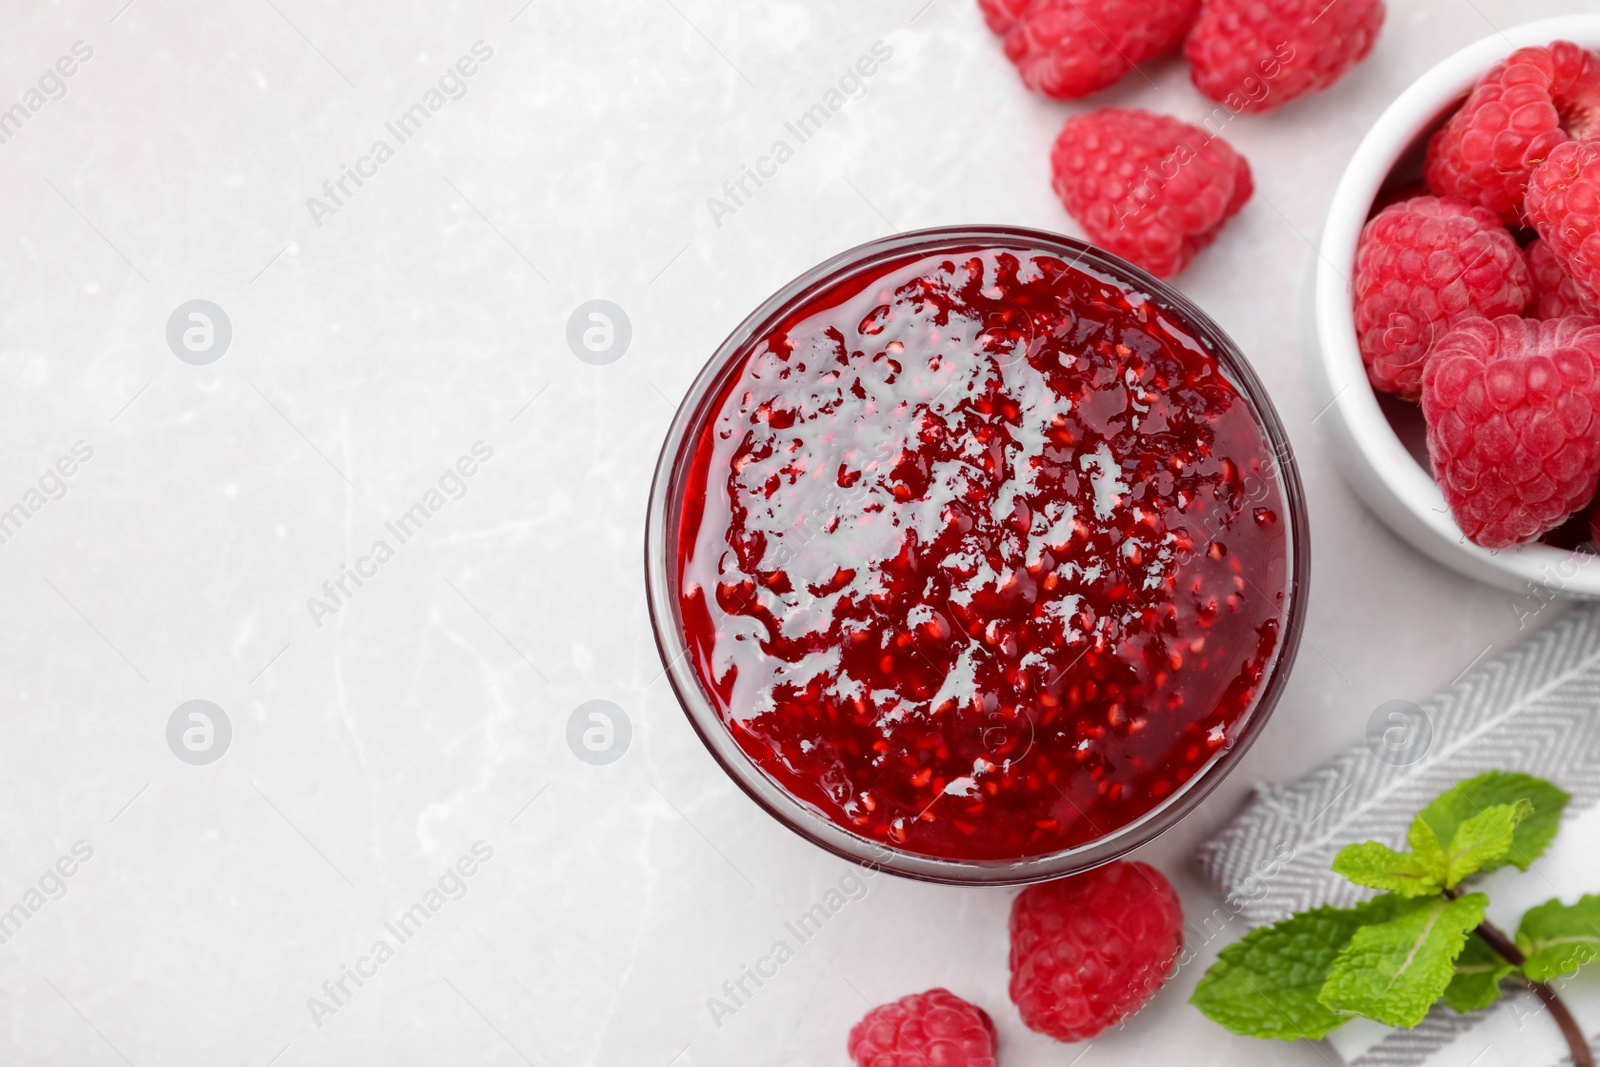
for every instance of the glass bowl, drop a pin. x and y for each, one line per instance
(663, 579)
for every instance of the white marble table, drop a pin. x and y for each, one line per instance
(375, 339)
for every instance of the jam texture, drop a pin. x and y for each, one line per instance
(981, 554)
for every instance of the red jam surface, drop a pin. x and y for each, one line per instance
(981, 554)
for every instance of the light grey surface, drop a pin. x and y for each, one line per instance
(368, 355)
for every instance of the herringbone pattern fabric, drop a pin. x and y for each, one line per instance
(1534, 708)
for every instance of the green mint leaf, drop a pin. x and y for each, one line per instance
(1483, 839)
(1381, 867)
(1476, 984)
(1429, 849)
(1466, 799)
(1393, 971)
(1267, 983)
(1557, 938)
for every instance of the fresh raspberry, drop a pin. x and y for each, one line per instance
(1147, 187)
(1556, 294)
(1254, 56)
(1088, 951)
(1511, 406)
(1564, 206)
(1421, 266)
(932, 1029)
(1070, 48)
(1536, 99)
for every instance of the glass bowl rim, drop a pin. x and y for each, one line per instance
(801, 817)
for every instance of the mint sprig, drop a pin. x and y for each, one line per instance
(1393, 971)
(1270, 983)
(1424, 938)
(1467, 799)
(1378, 866)
(1479, 971)
(1556, 938)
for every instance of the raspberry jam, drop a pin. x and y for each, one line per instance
(981, 554)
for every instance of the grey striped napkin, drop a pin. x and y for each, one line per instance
(1535, 708)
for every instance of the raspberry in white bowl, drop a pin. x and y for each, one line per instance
(1506, 498)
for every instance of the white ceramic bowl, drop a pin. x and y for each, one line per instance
(1383, 471)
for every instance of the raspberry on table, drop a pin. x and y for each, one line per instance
(1517, 114)
(932, 1029)
(1555, 293)
(1147, 187)
(1564, 206)
(1422, 265)
(1088, 951)
(1511, 406)
(1255, 56)
(1071, 48)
